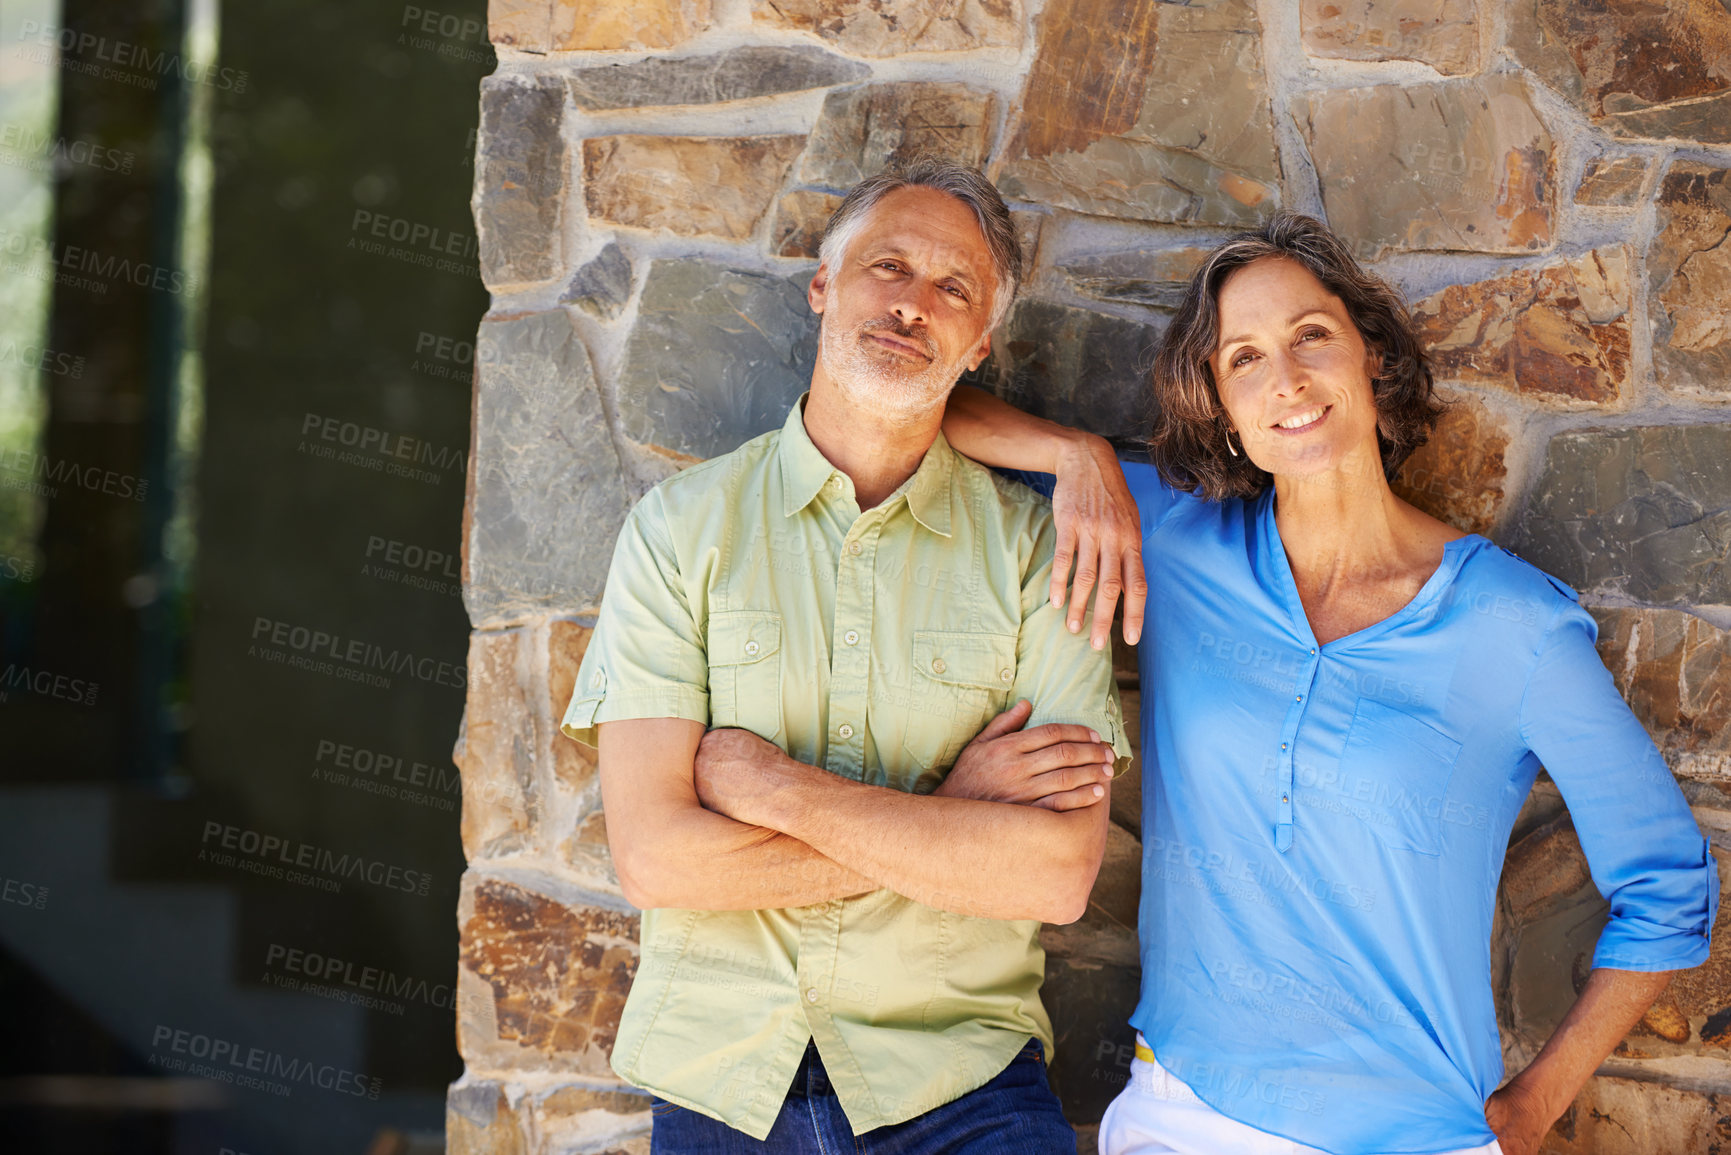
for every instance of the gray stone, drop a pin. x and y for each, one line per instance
(601, 288)
(548, 499)
(521, 180)
(1154, 278)
(1146, 111)
(718, 356)
(1643, 514)
(740, 74)
(1689, 281)
(1074, 366)
(1460, 165)
(862, 129)
(1089, 1003)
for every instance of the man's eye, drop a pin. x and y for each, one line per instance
(954, 291)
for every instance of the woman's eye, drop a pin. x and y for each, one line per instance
(1243, 359)
(1309, 333)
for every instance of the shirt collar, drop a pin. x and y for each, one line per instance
(805, 471)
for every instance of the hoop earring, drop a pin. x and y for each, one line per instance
(1229, 448)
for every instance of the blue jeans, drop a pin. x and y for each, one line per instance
(1014, 1114)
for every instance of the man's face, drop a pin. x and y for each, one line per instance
(906, 307)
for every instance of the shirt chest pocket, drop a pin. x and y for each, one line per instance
(1395, 772)
(745, 672)
(961, 680)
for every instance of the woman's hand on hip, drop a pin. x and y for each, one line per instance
(1100, 531)
(1518, 1120)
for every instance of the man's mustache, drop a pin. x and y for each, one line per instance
(902, 332)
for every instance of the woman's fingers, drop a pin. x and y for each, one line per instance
(1062, 557)
(1135, 594)
(1087, 571)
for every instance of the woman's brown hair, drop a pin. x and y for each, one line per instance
(1188, 443)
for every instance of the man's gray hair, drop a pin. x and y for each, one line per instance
(968, 185)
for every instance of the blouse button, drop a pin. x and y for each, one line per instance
(751, 649)
(851, 637)
(845, 730)
(1283, 798)
(1283, 745)
(938, 666)
(1300, 697)
(1313, 649)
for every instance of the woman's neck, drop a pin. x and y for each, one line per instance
(1345, 522)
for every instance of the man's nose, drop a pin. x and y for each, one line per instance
(912, 305)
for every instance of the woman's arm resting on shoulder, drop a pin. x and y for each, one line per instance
(1092, 510)
(1610, 1005)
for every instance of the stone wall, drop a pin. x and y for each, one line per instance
(1549, 184)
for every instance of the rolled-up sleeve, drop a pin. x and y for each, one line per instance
(647, 657)
(1643, 847)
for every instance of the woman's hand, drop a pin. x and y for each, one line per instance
(1054, 766)
(1100, 531)
(1519, 1121)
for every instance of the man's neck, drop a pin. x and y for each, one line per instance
(877, 452)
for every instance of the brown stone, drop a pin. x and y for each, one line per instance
(1638, 68)
(573, 763)
(557, 975)
(1444, 35)
(800, 219)
(1147, 111)
(494, 749)
(1675, 670)
(1455, 165)
(603, 25)
(1458, 475)
(1543, 868)
(1127, 787)
(692, 186)
(1558, 330)
(523, 24)
(586, 1119)
(479, 1120)
(886, 29)
(1689, 274)
(1636, 1117)
(1613, 181)
(862, 129)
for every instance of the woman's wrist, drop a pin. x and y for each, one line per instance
(1075, 447)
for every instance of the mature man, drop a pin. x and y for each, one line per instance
(842, 873)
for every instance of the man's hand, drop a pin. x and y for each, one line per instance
(1099, 530)
(733, 769)
(1519, 1121)
(1056, 767)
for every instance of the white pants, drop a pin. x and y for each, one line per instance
(1156, 1114)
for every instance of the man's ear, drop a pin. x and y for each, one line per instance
(817, 294)
(981, 352)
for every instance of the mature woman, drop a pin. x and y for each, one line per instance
(1345, 703)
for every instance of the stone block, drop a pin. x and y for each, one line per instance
(718, 356)
(1689, 280)
(1641, 513)
(1635, 1117)
(1444, 35)
(479, 1120)
(1147, 111)
(605, 25)
(495, 750)
(1637, 68)
(581, 1120)
(552, 979)
(860, 130)
(547, 496)
(523, 24)
(738, 74)
(601, 288)
(687, 185)
(1074, 366)
(1456, 165)
(520, 182)
(893, 29)
(1458, 475)
(1153, 278)
(1613, 181)
(573, 763)
(1127, 787)
(1560, 330)
(800, 220)
(1089, 1004)
(1675, 670)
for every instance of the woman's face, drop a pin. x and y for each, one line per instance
(1294, 373)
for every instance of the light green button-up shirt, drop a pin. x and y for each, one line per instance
(751, 591)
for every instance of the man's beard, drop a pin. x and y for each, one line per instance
(881, 381)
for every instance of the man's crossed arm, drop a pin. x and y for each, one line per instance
(726, 821)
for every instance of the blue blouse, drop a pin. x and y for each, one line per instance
(1324, 827)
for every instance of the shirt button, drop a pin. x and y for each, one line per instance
(938, 666)
(854, 548)
(811, 994)
(751, 649)
(1006, 676)
(845, 730)
(851, 637)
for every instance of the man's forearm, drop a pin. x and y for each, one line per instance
(984, 859)
(707, 861)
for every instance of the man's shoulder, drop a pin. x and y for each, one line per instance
(697, 490)
(1005, 496)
